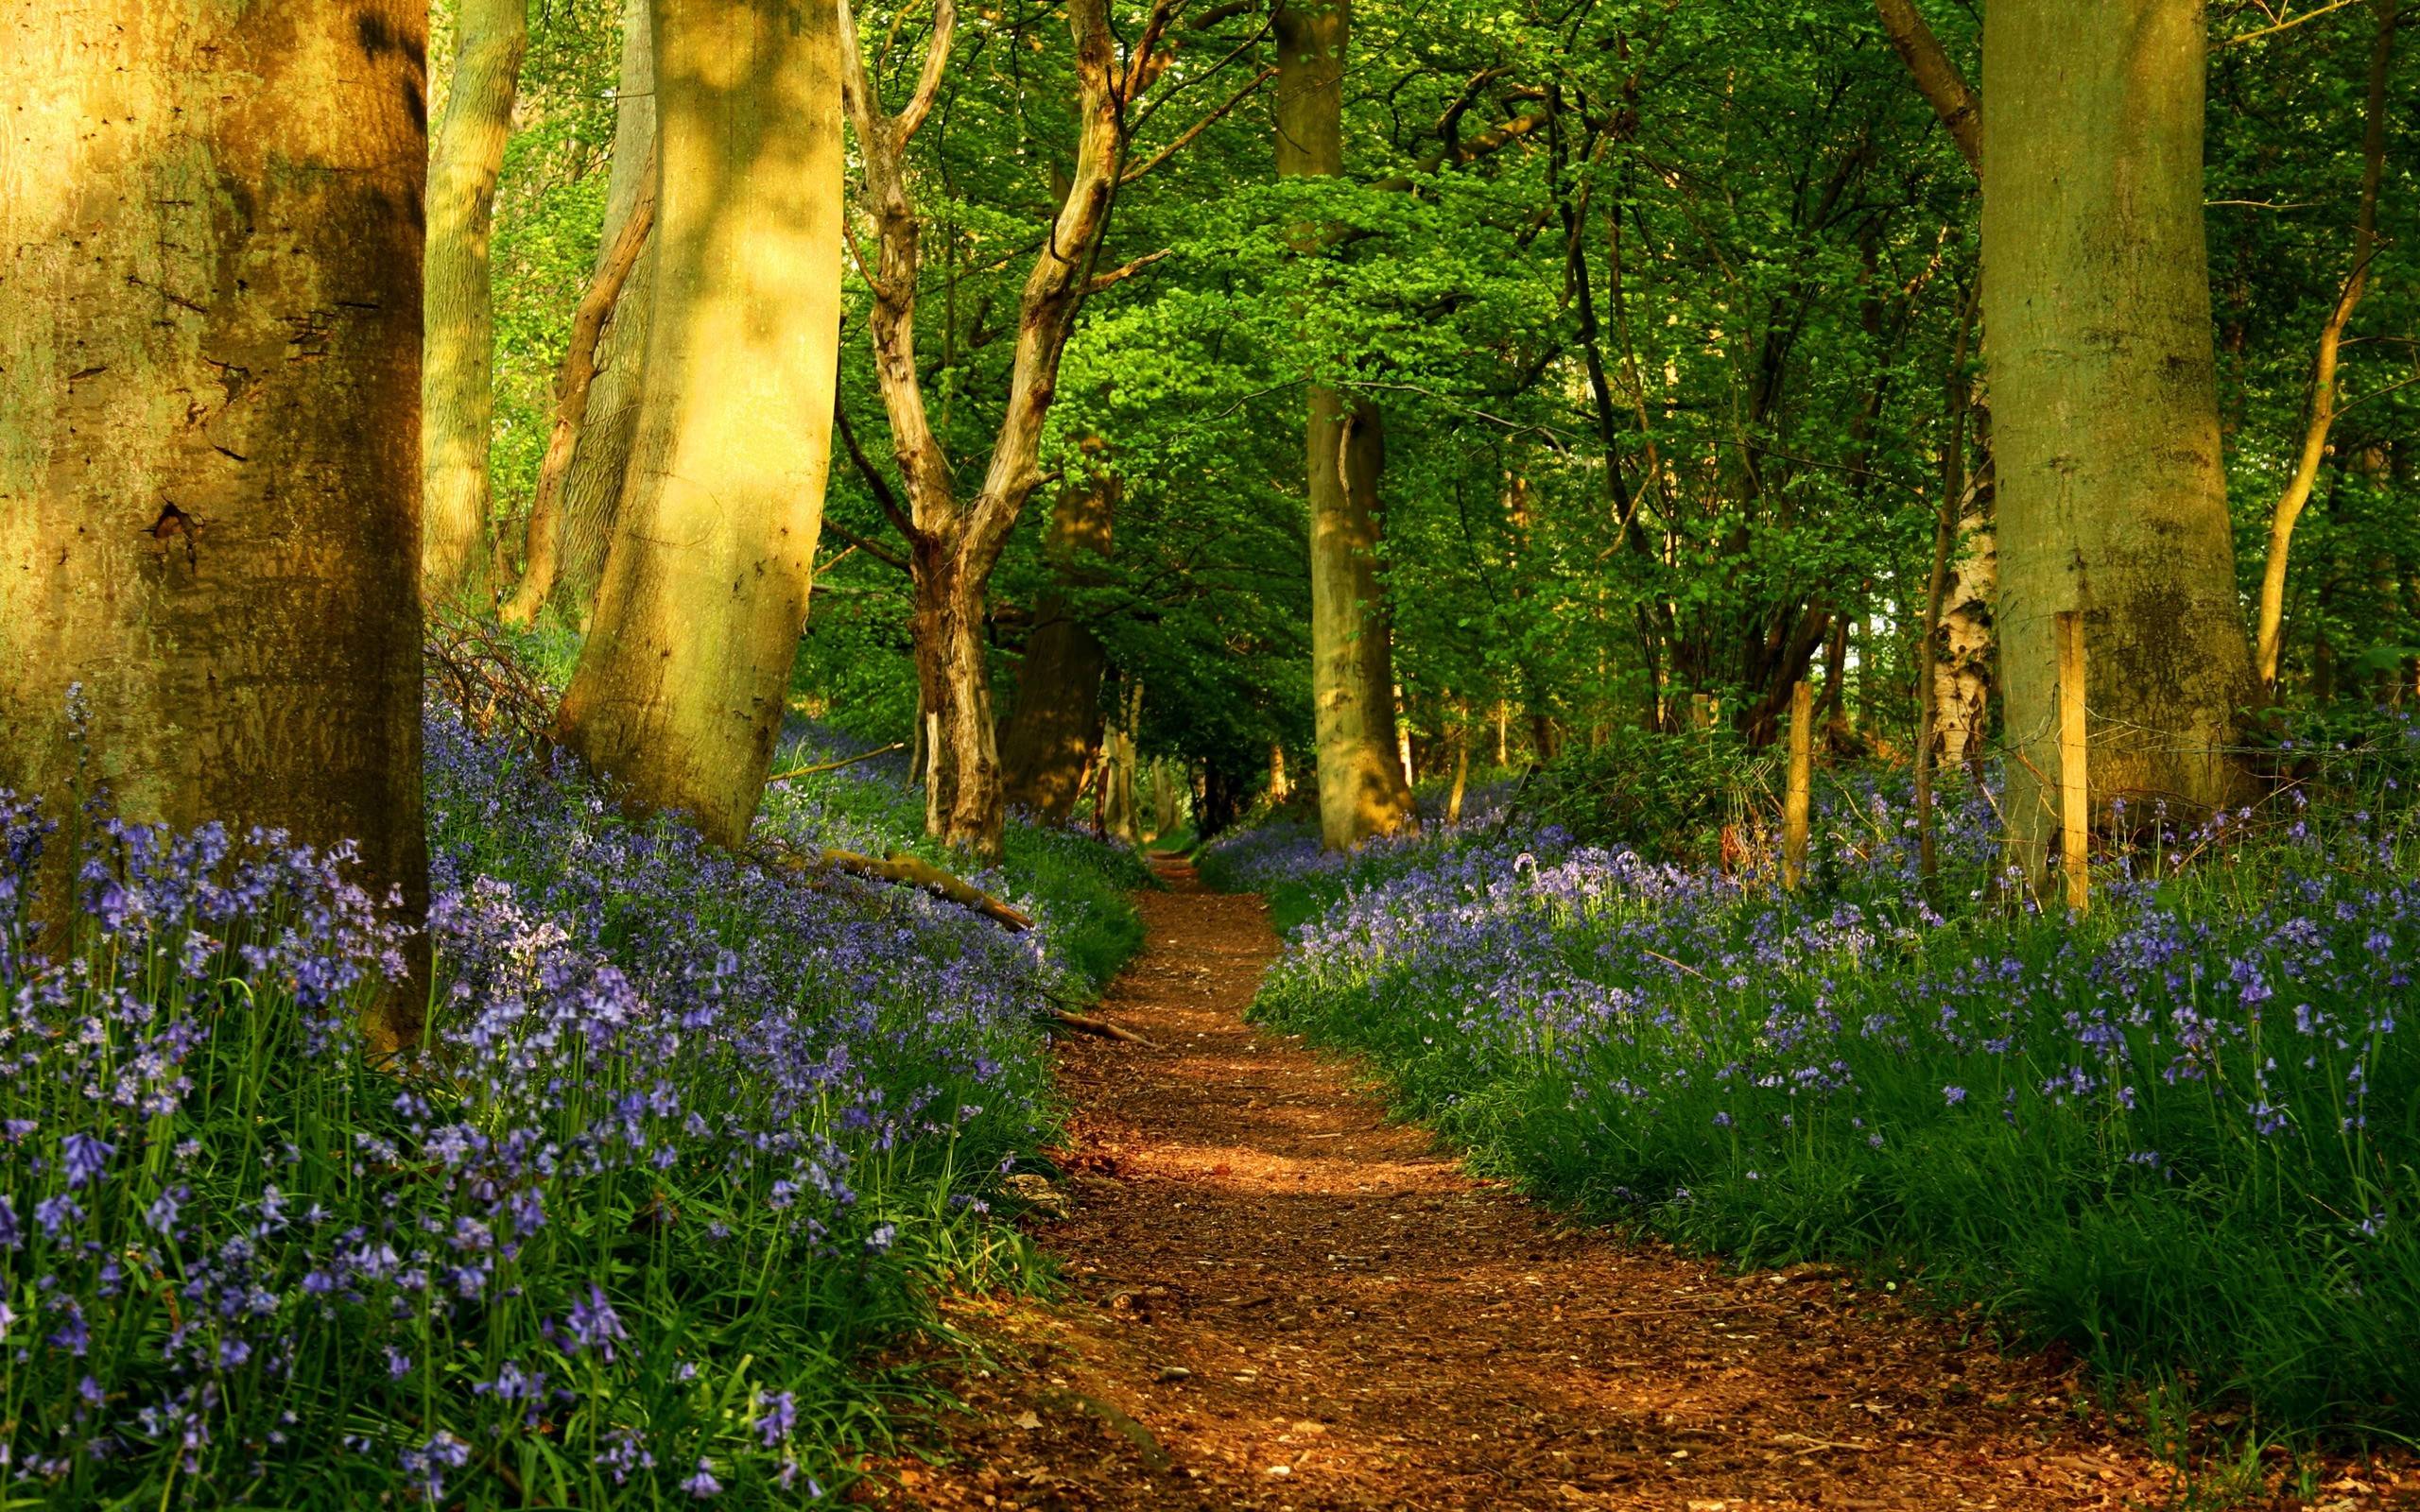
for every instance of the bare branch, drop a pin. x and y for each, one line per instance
(1119, 275)
(875, 483)
(858, 542)
(2284, 26)
(928, 82)
(1184, 137)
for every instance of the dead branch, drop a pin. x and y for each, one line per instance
(472, 667)
(1117, 275)
(1184, 137)
(833, 766)
(898, 868)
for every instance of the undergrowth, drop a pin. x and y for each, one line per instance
(690, 1145)
(2179, 1134)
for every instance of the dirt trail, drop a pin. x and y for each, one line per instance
(1280, 1301)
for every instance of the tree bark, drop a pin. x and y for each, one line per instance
(572, 386)
(2112, 498)
(210, 388)
(593, 483)
(1361, 786)
(1937, 78)
(458, 377)
(679, 695)
(1049, 738)
(2268, 629)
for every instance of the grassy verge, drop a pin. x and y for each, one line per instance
(2180, 1135)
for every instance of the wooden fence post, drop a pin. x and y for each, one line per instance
(2075, 811)
(1794, 805)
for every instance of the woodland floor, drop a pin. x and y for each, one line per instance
(1280, 1300)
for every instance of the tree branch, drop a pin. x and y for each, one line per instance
(1937, 78)
(1119, 275)
(1184, 139)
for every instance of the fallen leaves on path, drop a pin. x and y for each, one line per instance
(1278, 1300)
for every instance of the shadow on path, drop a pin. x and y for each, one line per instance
(1281, 1301)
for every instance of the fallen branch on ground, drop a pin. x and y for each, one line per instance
(901, 869)
(1101, 1027)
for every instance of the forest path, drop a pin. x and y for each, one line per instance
(1279, 1300)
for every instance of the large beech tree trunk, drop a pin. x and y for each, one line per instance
(679, 693)
(2104, 406)
(210, 348)
(1049, 739)
(592, 488)
(458, 377)
(1362, 791)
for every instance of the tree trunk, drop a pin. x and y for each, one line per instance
(1962, 671)
(209, 349)
(1362, 791)
(2112, 499)
(680, 691)
(458, 377)
(574, 386)
(1048, 739)
(2270, 624)
(592, 484)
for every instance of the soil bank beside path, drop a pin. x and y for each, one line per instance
(1281, 1301)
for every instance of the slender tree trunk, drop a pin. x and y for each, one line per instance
(1048, 738)
(210, 350)
(680, 691)
(2268, 629)
(458, 377)
(572, 386)
(1362, 791)
(593, 483)
(2112, 498)
(1461, 743)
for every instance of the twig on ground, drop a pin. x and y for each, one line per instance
(833, 766)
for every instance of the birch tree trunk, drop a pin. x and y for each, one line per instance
(209, 349)
(1362, 791)
(592, 488)
(458, 375)
(1049, 738)
(2105, 405)
(680, 691)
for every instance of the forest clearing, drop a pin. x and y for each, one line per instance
(1209, 754)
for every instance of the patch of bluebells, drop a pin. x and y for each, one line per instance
(683, 1139)
(2176, 1133)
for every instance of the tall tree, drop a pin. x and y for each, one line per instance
(680, 691)
(210, 350)
(2105, 420)
(954, 543)
(1361, 786)
(457, 378)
